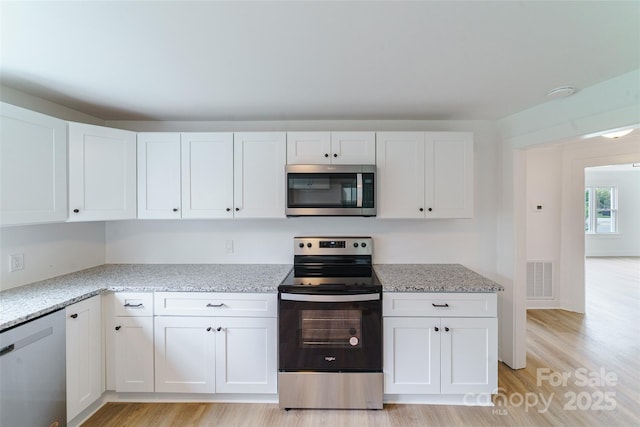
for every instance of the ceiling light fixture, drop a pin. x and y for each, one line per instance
(618, 134)
(614, 133)
(561, 92)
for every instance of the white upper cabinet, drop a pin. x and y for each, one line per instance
(400, 179)
(211, 175)
(338, 148)
(159, 175)
(353, 148)
(425, 174)
(207, 175)
(33, 168)
(449, 169)
(259, 162)
(102, 173)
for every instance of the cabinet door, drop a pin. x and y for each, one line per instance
(469, 355)
(134, 354)
(185, 354)
(207, 175)
(259, 162)
(102, 173)
(33, 167)
(159, 175)
(310, 148)
(400, 180)
(353, 148)
(84, 361)
(411, 355)
(449, 175)
(246, 355)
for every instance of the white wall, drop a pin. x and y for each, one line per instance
(50, 250)
(544, 187)
(626, 242)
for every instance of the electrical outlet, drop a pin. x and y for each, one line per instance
(228, 247)
(16, 262)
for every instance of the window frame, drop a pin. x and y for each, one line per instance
(591, 210)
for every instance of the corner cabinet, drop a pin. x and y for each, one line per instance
(215, 343)
(425, 174)
(102, 173)
(33, 167)
(338, 148)
(211, 175)
(440, 343)
(84, 354)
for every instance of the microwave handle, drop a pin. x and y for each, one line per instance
(359, 190)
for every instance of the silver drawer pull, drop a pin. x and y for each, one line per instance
(134, 305)
(445, 305)
(216, 305)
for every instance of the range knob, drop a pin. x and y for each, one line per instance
(301, 245)
(363, 244)
(355, 245)
(309, 245)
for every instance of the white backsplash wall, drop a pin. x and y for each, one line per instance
(271, 241)
(50, 250)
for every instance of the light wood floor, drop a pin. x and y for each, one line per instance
(598, 345)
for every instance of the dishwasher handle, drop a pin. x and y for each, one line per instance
(26, 341)
(7, 349)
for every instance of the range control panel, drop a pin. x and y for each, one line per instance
(332, 245)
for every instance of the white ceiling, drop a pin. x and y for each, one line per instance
(266, 60)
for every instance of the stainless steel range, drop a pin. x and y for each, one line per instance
(330, 326)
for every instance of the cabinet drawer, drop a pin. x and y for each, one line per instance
(133, 303)
(215, 304)
(402, 304)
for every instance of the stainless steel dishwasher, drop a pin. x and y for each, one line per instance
(33, 389)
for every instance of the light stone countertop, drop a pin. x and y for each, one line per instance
(23, 303)
(432, 278)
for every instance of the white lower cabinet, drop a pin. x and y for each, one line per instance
(232, 350)
(440, 355)
(84, 355)
(215, 355)
(134, 341)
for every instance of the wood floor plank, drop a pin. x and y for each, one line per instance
(605, 339)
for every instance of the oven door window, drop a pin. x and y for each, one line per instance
(330, 329)
(330, 336)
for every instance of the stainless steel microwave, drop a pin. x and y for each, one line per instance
(331, 190)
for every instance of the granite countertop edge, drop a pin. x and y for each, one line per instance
(74, 287)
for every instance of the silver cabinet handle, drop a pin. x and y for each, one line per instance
(216, 305)
(134, 305)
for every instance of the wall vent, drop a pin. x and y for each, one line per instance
(539, 280)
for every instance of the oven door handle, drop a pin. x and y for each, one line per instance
(329, 298)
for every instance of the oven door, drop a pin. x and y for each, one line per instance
(330, 333)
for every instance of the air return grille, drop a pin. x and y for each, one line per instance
(539, 280)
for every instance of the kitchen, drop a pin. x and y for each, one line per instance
(55, 249)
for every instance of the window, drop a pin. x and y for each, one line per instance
(601, 210)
